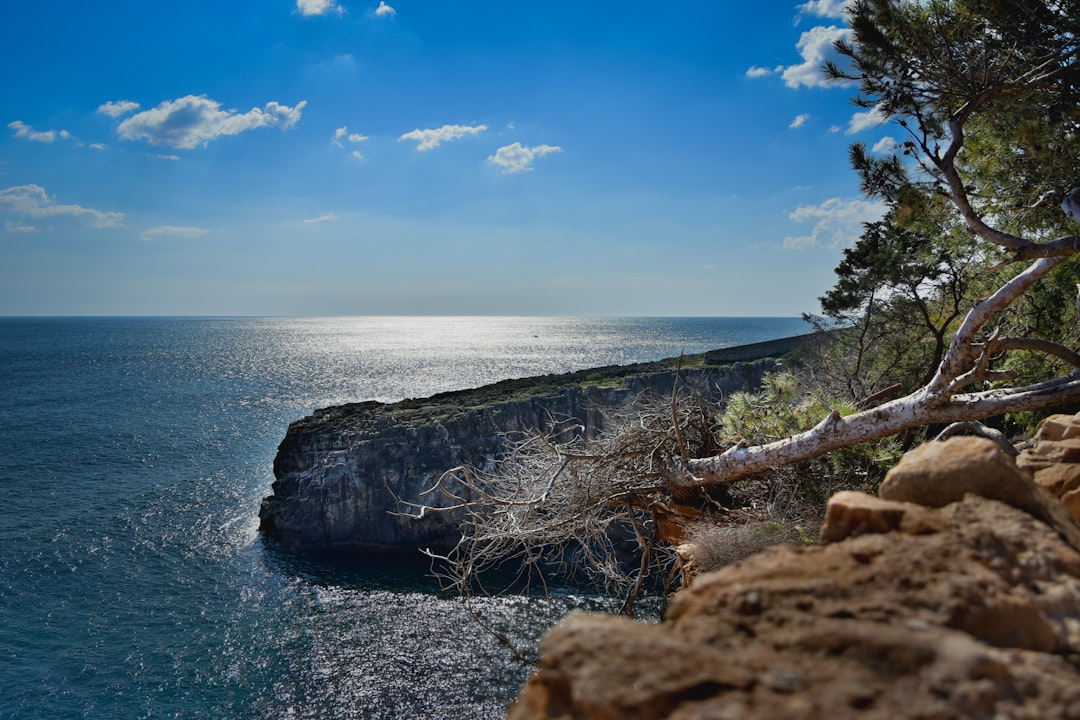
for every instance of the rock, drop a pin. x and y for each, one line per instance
(850, 513)
(936, 474)
(1053, 461)
(345, 475)
(954, 595)
(979, 619)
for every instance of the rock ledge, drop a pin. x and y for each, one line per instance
(956, 594)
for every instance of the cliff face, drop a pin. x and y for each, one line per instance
(342, 471)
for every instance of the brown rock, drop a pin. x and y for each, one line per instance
(1058, 427)
(850, 513)
(1052, 460)
(1067, 451)
(977, 619)
(1056, 478)
(939, 473)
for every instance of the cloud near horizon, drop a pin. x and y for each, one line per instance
(518, 158)
(431, 139)
(166, 231)
(195, 120)
(32, 202)
(838, 222)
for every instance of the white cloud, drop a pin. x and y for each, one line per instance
(32, 202)
(12, 227)
(838, 222)
(309, 8)
(865, 121)
(385, 10)
(358, 155)
(117, 108)
(517, 157)
(321, 219)
(167, 231)
(342, 133)
(22, 130)
(97, 146)
(430, 139)
(815, 46)
(824, 8)
(884, 146)
(799, 121)
(756, 72)
(195, 120)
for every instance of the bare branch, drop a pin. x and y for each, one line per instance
(976, 428)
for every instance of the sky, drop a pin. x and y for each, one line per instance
(424, 157)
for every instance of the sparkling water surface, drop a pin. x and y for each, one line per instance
(133, 456)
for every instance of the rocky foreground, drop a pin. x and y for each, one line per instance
(955, 594)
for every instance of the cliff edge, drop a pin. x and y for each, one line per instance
(344, 472)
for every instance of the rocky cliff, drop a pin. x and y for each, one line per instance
(955, 594)
(343, 471)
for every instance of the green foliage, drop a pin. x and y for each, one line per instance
(1008, 73)
(784, 407)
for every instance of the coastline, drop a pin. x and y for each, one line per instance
(346, 473)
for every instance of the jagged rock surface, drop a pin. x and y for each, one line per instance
(343, 471)
(933, 602)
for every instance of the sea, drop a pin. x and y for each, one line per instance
(134, 453)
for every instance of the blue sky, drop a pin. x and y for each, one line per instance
(348, 157)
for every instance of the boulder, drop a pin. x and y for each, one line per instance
(954, 595)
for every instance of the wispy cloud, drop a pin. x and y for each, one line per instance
(385, 10)
(518, 158)
(799, 121)
(328, 217)
(171, 231)
(31, 202)
(756, 72)
(824, 8)
(22, 130)
(838, 222)
(195, 120)
(309, 8)
(431, 139)
(868, 120)
(342, 133)
(816, 46)
(116, 108)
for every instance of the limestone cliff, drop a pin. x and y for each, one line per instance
(341, 472)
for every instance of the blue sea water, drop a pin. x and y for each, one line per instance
(133, 456)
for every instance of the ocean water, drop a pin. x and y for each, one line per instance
(133, 456)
